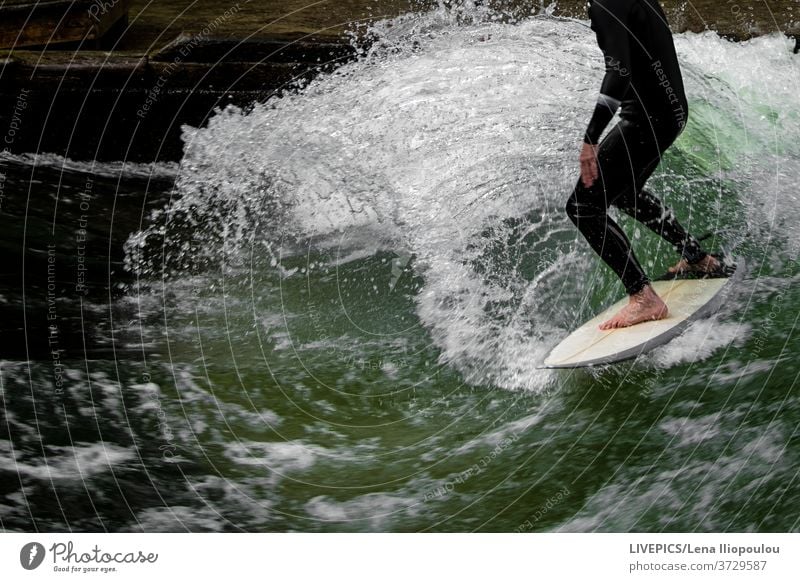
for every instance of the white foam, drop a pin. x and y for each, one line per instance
(277, 457)
(692, 431)
(700, 341)
(162, 170)
(177, 518)
(373, 510)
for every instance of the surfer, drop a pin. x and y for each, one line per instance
(642, 80)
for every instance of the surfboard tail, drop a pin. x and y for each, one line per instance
(688, 299)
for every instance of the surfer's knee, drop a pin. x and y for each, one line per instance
(579, 206)
(572, 209)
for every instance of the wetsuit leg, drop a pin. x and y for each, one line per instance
(654, 138)
(626, 158)
(618, 167)
(651, 212)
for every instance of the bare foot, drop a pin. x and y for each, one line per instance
(645, 305)
(707, 264)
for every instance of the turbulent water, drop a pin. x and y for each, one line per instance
(341, 311)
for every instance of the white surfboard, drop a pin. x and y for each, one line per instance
(687, 299)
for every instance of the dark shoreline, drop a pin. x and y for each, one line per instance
(172, 66)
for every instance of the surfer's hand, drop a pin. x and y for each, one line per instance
(588, 161)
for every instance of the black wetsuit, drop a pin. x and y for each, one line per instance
(642, 78)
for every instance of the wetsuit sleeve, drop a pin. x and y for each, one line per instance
(609, 18)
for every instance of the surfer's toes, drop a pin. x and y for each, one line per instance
(681, 267)
(712, 264)
(615, 322)
(708, 264)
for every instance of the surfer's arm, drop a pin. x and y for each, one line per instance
(608, 21)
